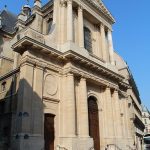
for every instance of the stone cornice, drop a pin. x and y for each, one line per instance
(92, 65)
(27, 43)
(124, 94)
(7, 75)
(47, 5)
(90, 77)
(125, 85)
(40, 64)
(101, 7)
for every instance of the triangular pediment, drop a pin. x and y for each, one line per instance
(100, 5)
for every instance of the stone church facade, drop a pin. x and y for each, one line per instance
(63, 87)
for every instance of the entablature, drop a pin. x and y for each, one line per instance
(27, 43)
(101, 7)
(95, 14)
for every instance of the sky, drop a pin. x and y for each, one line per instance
(131, 36)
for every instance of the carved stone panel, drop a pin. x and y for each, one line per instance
(50, 85)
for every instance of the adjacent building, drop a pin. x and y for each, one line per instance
(146, 119)
(63, 87)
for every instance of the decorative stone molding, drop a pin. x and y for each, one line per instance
(80, 8)
(34, 35)
(89, 76)
(63, 3)
(69, 1)
(102, 72)
(100, 6)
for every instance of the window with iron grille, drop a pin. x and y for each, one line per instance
(87, 39)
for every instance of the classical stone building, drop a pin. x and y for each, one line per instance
(62, 85)
(146, 119)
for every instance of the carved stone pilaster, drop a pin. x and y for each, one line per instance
(69, 21)
(80, 26)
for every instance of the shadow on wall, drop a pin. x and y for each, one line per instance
(8, 103)
(21, 111)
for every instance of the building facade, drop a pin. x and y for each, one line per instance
(146, 120)
(65, 87)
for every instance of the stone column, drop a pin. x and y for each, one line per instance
(103, 42)
(63, 5)
(110, 47)
(70, 106)
(99, 45)
(80, 27)
(69, 21)
(83, 107)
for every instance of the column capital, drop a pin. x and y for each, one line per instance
(109, 30)
(102, 25)
(83, 79)
(80, 8)
(70, 74)
(40, 66)
(69, 1)
(116, 90)
(107, 88)
(63, 3)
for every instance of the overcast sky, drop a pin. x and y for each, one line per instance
(131, 36)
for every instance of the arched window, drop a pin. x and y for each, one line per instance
(94, 121)
(87, 39)
(49, 25)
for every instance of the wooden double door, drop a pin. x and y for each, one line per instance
(94, 122)
(49, 131)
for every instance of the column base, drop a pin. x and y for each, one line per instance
(76, 143)
(33, 142)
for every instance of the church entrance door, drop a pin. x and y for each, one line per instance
(49, 131)
(94, 121)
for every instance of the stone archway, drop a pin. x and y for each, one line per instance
(93, 114)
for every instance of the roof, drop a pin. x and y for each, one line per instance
(145, 109)
(8, 21)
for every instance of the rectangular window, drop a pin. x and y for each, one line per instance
(87, 39)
